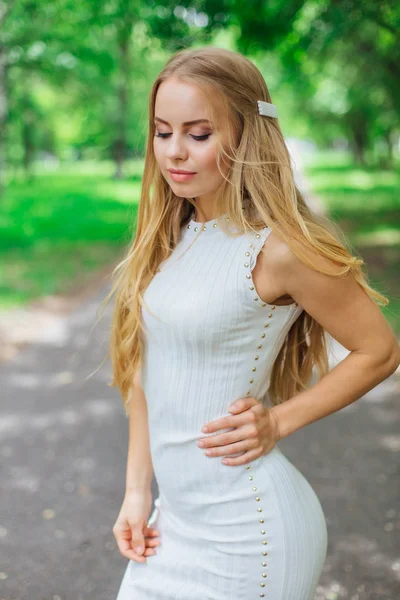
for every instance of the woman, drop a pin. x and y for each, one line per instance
(221, 310)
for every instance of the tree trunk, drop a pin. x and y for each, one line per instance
(3, 117)
(28, 124)
(121, 143)
(388, 135)
(359, 136)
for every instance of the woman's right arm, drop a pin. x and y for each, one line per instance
(135, 539)
(139, 469)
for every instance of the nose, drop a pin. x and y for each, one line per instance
(176, 148)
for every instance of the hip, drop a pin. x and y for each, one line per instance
(204, 491)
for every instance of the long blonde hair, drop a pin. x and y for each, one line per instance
(258, 190)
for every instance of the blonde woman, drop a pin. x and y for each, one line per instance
(222, 304)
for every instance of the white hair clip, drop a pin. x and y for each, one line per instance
(266, 109)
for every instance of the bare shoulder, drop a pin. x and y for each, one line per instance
(333, 299)
(308, 279)
(280, 257)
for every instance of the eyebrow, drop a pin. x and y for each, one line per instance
(186, 123)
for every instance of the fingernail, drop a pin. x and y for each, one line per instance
(200, 444)
(139, 550)
(205, 429)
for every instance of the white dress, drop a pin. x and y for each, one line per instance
(227, 532)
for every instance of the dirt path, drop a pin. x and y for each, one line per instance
(41, 319)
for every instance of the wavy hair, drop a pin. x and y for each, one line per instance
(258, 189)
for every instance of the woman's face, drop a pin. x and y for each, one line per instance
(181, 145)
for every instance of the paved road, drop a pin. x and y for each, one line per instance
(63, 442)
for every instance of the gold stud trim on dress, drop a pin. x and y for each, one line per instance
(256, 298)
(215, 225)
(248, 275)
(256, 357)
(254, 488)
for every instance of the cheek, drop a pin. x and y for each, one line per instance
(207, 158)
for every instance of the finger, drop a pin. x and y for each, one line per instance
(248, 414)
(243, 404)
(223, 423)
(151, 537)
(152, 543)
(246, 458)
(219, 440)
(126, 550)
(138, 542)
(241, 446)
(151, 531)
(241, 432)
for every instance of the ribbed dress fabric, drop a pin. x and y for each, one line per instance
(227, 532)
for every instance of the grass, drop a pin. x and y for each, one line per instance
(61, 227)
(365, 203)
(69, 222)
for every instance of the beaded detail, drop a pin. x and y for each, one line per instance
(249, 255)
(213, 223)
(263, 532)
(249, 276)
(256, 298)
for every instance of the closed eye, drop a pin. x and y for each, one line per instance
(199, 138)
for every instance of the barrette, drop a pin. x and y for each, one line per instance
(266, 109)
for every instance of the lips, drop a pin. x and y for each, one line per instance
(180, 172)
(181, 176)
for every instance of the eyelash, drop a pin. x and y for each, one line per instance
(198, 138)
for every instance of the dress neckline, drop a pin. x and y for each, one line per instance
(211, 227)
(208, 227)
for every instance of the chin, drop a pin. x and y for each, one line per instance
(181, 191)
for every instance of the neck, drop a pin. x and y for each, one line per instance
(205, 209)
(200, 215)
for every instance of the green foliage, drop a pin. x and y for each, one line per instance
(74, 84)
(62, 226)
(365, 203)
(77, 75)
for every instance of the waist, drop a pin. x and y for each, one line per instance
(186, 477)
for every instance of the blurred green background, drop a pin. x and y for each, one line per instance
(74, 83)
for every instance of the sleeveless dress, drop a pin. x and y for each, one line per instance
(227, 532)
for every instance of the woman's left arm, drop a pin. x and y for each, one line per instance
(352, 318)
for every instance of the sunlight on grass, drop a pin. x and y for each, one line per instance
(105, 168)
(356, 180)
(62, 226)
(69, 222)
(387, 237)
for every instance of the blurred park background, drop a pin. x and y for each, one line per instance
(74, 83)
